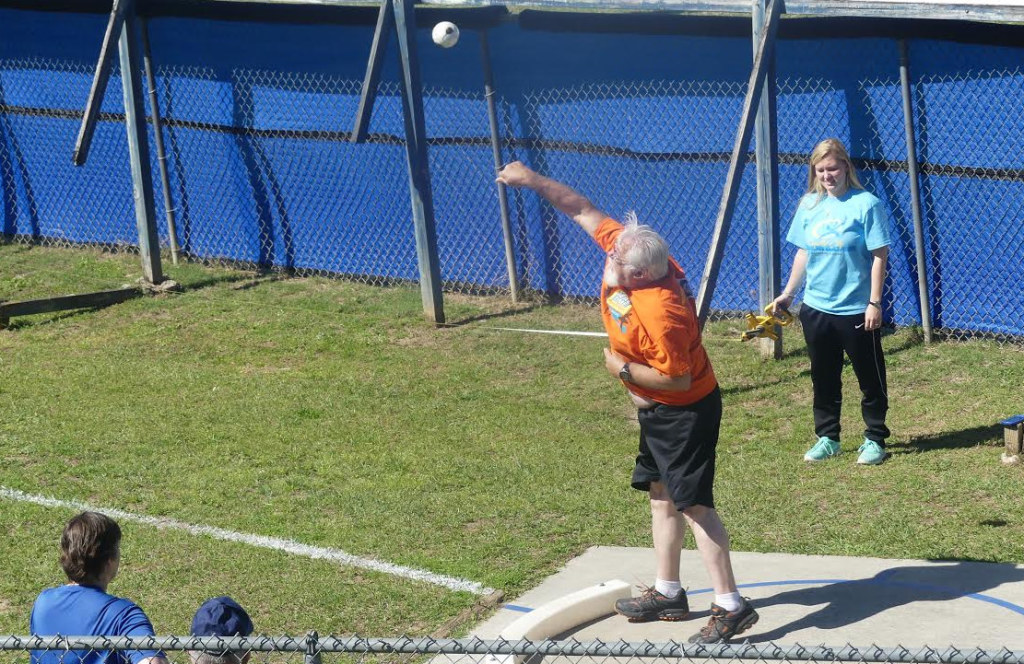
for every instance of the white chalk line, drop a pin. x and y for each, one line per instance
(570, 333)
(261, 541)
(530, 331)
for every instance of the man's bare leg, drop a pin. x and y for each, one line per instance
(730, 613)
(668, 529)
(712, 541)
(666, 600)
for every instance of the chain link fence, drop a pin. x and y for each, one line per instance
(46, 199)
(669, 172)
(312, 649)
(972, 190)
(262, 174)
(972, 198)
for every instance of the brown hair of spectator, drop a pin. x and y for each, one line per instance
(89, 542)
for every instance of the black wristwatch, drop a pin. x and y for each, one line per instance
(875, 304)
(624, 373)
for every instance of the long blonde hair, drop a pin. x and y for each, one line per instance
(830, 147)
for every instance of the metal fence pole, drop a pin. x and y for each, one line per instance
(312, 655)
(161, 155)
(915, 193)
(492, 117)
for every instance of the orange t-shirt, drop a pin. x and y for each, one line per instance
(656, 325)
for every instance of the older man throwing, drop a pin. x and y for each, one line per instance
(656, 351)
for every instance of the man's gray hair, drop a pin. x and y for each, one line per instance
(642, 247)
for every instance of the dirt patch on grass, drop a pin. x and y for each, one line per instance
(420, 337)
(480, 525)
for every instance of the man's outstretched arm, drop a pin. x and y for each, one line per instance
(565, 199)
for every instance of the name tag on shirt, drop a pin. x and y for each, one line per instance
(619, 306)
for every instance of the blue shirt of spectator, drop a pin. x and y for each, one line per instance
(90, 555)
(74, 610)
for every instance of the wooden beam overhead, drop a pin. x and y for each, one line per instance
(964, 10)
(487, 13)
(349, 12)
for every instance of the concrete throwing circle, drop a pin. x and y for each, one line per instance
(818, 600)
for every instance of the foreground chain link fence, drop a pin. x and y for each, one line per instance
(262, 172)
(312, 649)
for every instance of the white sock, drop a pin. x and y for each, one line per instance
(668, 588)
(729, 601)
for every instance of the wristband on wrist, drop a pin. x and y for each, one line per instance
(875, 304)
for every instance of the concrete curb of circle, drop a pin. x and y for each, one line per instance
(561, 615)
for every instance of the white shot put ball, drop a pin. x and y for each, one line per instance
(445, 34)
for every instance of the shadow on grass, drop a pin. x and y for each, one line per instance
(36, 320)
(244, 281)
(769, 384)
(949, 440)
(489, 316)
(850, 601)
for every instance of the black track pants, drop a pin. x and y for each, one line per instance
(828, 336)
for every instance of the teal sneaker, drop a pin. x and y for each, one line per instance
(871, 453)
(825, 448)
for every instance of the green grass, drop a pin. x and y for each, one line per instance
(332, 413)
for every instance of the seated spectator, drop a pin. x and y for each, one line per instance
(90, 554)
(221, 616)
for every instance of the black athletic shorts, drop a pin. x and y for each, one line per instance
(677, 448)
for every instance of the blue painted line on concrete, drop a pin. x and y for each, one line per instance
(880, 580)
(515, 607)
(762, 584)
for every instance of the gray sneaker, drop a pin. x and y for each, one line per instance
(723, 625)
(652, 605)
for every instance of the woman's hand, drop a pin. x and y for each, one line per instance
(872, 317)
(783, 301)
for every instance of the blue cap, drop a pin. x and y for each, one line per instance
(221, 616)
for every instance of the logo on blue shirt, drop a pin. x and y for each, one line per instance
(826, 234)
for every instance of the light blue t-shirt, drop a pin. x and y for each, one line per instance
(87, 611)
(838, 235)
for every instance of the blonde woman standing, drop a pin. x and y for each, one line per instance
(841, 233)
